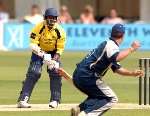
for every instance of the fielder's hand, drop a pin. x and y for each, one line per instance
(138, 73)
(135, 45)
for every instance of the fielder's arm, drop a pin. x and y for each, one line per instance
(126, 72)
(64, 74)
(123, 54)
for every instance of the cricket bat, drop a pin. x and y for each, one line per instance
(64, 74)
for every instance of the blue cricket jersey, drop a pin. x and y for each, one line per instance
(99, 60)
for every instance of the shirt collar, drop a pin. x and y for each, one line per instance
(114, 41)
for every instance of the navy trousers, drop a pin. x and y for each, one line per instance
(100, 96)
(33, 75)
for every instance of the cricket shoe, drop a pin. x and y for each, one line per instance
(82, 114)
(53, 104)
(75, 111)
(23, 104)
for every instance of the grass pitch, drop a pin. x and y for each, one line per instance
(13, 67)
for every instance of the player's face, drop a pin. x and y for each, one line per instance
(50, 21)
(121, 39)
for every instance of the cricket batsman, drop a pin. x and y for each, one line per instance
(89, 73)
(47, 44)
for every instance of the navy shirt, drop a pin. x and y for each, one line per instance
(99, 60)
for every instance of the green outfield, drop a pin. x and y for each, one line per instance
(13, 67)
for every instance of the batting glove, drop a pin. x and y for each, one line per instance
(53, 65)
(56, 57)
(47, 58)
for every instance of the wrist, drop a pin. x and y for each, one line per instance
(41, 54)
(56, 57)
(131, 49)
(133, 73)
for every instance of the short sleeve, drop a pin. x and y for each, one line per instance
(61, 41)
(112, 51)
(115, 66)
(34, 36)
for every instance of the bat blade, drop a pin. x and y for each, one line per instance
(64, 74)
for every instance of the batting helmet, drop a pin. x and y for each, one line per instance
(51, 12)
(50, 17)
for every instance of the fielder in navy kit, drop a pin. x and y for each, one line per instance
(88, 75)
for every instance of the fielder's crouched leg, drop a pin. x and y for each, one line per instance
(100, 97)
(32, 76)
(102, 100)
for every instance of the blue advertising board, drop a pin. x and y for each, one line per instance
(85, 37)
(79, 36)
(16, 36)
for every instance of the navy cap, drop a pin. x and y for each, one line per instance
(51, 12)
(117, 30)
